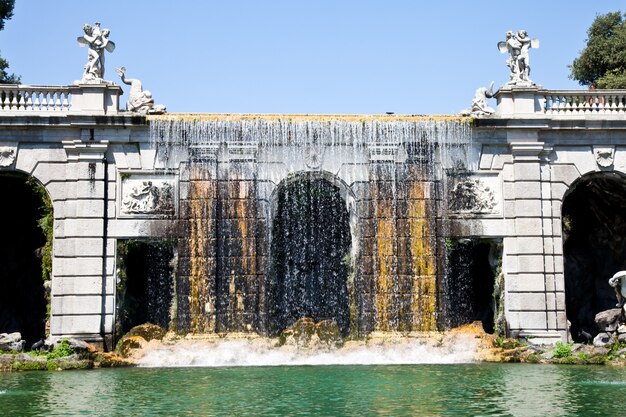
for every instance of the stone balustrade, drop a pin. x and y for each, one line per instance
(564, 102)
(27, 98)
(88, 99)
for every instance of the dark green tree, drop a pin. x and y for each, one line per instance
(6, 12)
(603, 61)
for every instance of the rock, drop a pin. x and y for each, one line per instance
(602, 339)
(111, 360)
(621, 329)
(11, 342)
(328, 332)
(130, 343)
(621, 338)
(547, 355)
(147, 331)
(26, 362)
(535, 348)
(305, 332)
(600, 350)
(78, 345)
(608, 320)
(74, 361)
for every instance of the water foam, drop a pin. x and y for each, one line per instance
(263, 352)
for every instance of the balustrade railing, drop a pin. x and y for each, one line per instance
(572, 102)
(26, 98)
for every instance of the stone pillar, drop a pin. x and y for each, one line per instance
(529, 259)
(237, 275)
(83, 260)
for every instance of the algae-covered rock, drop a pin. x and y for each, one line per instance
(130, 343)
(75, 361)
(147, 331)
(306, 333)
(111, 360)
(328, 331)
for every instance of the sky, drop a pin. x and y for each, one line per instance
(315, 56)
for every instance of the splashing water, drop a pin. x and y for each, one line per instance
(459, 348)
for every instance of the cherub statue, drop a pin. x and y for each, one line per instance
(517, 45)
(97, 41)
(480, 106)
(140, 100)
(618, 282)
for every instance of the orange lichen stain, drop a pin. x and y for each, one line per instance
(385, 235)
(423, 300)
(243, 212)
(201, 302)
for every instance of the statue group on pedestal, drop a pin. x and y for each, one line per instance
(517, 45)
(97, 41)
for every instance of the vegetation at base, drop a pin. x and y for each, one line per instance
(562, 350)
(46, 224)
(506, 343)
(603, 61)
(6, 13)
(61, 350)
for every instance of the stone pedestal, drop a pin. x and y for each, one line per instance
(517, 101)
(96, 99)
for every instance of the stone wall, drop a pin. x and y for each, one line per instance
(399, 206)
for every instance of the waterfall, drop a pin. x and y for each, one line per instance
(253, 250)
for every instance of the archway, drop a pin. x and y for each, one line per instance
(594, 247)
(310, 248)
(145, 287)
(26, 214)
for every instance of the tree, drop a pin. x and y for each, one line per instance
(6, 13)
(603, 61)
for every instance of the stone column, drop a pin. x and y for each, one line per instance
(83, 261)
(529, 258)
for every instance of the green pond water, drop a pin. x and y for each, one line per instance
(424, 390)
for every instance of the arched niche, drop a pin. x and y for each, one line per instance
(25, 255)
(313, 247)
(594, 247)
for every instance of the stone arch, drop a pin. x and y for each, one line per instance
(343, 205)
(25, 255)
(593, 220)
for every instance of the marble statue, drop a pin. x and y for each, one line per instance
(618, 282)
(140, 100)
(480, 106)
(97, 42)
(517, 46)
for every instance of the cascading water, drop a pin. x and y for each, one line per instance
(333, 217)
(311, 242)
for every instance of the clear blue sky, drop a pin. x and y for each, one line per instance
(326, 56)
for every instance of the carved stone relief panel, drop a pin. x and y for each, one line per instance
(474, 194)
(147, 195)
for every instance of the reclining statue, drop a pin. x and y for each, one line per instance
(140, 100)
(480, 106)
